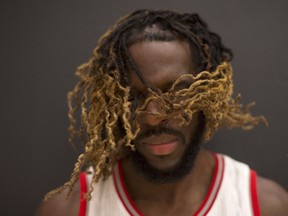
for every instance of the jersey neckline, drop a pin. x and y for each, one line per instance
(204, 208)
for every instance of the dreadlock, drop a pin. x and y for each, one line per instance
(107, 123)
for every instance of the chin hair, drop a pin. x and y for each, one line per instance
(181, 169)
(173, 174)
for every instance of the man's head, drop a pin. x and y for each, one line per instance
(165, 149)
(156, 77)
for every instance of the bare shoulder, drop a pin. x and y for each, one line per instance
(273, 199)
(60, 204)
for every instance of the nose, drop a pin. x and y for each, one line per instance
(154, 117)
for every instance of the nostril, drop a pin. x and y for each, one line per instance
(164, 121)
(155, 120)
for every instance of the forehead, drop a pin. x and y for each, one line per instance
(161, 62)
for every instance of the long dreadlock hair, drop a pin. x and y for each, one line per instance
(102, 96)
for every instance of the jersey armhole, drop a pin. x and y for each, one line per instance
(254, 194)
(83, 191)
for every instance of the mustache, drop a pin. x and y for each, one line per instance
(160, 131)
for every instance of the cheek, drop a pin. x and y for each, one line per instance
(190, 130)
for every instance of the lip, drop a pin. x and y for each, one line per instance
(161, 145)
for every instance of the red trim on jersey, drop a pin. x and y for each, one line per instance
(125, 191)
(83, 191)
(203, 209)
(212, 185)
(254, 195)
(118, 192)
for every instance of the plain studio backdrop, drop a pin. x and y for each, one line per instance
(42, 43)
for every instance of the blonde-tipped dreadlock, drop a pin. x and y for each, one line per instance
(209, 92)
(102, 95)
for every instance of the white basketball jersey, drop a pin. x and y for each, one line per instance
(232, 193)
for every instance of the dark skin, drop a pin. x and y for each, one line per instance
(161, 63)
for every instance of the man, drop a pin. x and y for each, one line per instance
(159, 83)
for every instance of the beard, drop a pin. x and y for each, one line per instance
(179, 170)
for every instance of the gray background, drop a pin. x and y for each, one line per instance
(42, 42)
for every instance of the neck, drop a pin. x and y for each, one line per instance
(193, 186)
